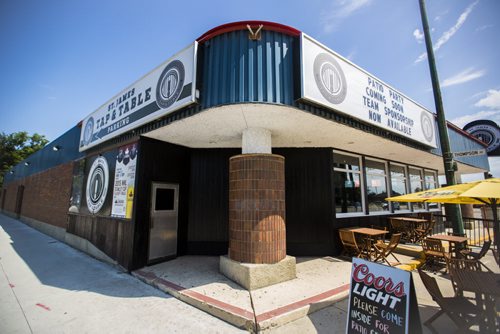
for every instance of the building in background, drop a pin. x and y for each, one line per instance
(255, 141)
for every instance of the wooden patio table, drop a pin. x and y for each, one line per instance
(369, 235)
(486, 286)
(453, 240)
(412, 224)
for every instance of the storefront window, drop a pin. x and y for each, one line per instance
(376, 179)
(347, 182)
(398, 186)
(416, 184)
(430, 179)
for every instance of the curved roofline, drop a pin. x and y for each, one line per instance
(242, 25)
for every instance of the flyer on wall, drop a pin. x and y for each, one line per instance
(123, 190)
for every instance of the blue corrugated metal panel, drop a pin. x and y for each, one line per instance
(47, 158)
(236, 69)
(461, 143)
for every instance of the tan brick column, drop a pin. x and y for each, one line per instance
(257, 208)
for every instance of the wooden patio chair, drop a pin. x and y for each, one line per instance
(399, 226)
(459, 309)
(424, 231)
(350, 245)
(496, 255)
(383, 250)
(477, 256)
(461, 264)
(434, 252)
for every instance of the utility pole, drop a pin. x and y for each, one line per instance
(450, 166)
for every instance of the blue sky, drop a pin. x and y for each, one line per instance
(61, 59)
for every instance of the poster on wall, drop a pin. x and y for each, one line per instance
(381, 300)
(334, 82)
(167, 88)
(97, 176)
(123, 189)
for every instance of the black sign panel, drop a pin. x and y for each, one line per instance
(379, 300)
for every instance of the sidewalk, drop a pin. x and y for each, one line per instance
(49, 286)
(320, 282)
(314, 302)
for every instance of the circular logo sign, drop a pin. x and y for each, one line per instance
(330, 78)
(427, 126)
(88, 131)
(486, 131)
(170, 84)
(97, 184)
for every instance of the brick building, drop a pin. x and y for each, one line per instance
(255, 141)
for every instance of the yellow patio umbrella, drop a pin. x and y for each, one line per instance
(477, 192)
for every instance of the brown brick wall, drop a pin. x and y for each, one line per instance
(257, 231)
(10, 196)
(46, 195)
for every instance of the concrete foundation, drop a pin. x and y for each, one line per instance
(254, 276)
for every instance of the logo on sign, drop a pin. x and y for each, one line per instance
(330, 78)
(427, 126)
(97, 184)
(88, 131)
(488, 132)
(170, 84)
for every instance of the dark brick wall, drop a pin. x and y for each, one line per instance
(46, 195)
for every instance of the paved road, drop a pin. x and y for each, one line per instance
(49, 287)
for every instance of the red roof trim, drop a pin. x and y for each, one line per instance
(242, 25)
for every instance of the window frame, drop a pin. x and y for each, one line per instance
(407, 187)
(362, 185)
(387, 188)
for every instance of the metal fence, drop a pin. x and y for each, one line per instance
(477, 230)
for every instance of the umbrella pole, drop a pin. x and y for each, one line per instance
(496, 235)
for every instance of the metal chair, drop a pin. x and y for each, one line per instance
(460, 310)
(434, 252)
(383, 250)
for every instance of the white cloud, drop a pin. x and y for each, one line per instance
(492, 100)
(486, 26)
(419, 36)
(494, 166)
(493, 115)
(462, 77)
(440, 16)
(339, 10)
(450, 32)
(351, 55)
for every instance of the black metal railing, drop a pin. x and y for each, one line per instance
(477, 230)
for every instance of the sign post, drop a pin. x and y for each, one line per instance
(381, 300)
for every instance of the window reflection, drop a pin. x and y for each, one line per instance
(376, 186)
(398, 184)
(347, 183)
(416, 184)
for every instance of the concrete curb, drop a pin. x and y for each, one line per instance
(300, 309)
(234, 315)
(243, 318)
